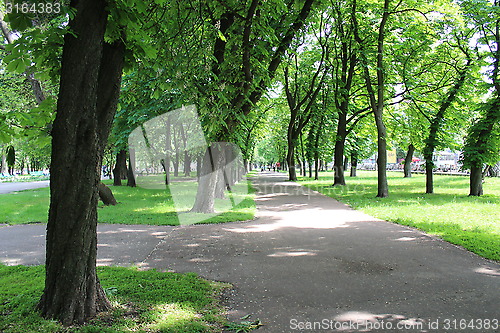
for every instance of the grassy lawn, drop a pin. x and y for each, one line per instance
(144, 301)
(137, 205)
(471, 222)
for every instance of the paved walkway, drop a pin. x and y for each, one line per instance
(306, 260)
(20, 186)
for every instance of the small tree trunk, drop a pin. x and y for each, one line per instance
(382, 185)
(429, 176)
(354, 163)
(106, 195)
(166, 168)
(199, 161)
(290, 160)
(130, 169)
(176, 164)
(408, 160)
(187, 164)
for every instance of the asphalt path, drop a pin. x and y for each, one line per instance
(307, 263)
(21, 186)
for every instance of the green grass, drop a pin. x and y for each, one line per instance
(471, 222)
(143, 301)
(136, 206)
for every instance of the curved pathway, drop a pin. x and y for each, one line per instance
(307, 263)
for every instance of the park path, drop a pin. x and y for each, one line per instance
(21, 186)
(306, 261)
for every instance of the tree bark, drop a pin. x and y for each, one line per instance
(476, 181)
(408, 160)
(106, 195)
(205, 196)
(130, 169)
(354, 163)
(187, 164)
(290, 160)
(120, 169)
(89, 87)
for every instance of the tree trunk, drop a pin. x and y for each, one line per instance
(432, 140)
(205, 196)
(476, 181)
(187, 164)
(130, 169)
(354, 163)
(176, 164)
(408, 160)
(382, 185)
(106, 195)
(199, 162)
(89, 87)
(245, 166)
(3, 169)
(120, 169)
(338, 159)
(290, 160)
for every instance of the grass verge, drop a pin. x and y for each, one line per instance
(144, 301)
(138, 205)
(449, 213)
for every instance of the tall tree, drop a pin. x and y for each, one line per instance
(301, 91)
(376, 92)
(89, 87)
(242, 48)
(482, 144)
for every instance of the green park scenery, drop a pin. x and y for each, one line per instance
(294, 82)
(468, 221)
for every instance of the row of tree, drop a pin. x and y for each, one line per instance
(331, 65)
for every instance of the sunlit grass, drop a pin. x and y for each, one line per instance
(138, 205)
(143, 301)
(472, 222)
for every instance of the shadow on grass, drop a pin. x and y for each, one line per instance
(143, 301)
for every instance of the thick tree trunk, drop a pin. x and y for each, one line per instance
(89, 88)
(106, 195)
(120, 169)
(205, 196)
(408, 160)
